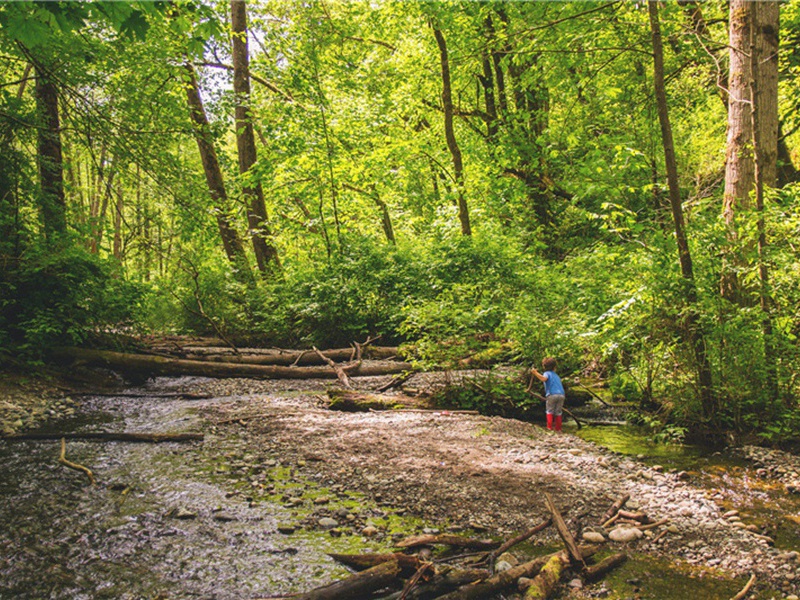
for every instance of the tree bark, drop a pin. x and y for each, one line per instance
(231, 242)
(449, 132)
(266, 253)
(50, 161)
(695, 334)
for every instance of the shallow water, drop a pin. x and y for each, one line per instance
(62, 538)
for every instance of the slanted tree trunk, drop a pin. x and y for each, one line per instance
(231, 242)
(266, 253)
(449, 132)
(695, 334)
(51, 176)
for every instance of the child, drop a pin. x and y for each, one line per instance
(553, 392)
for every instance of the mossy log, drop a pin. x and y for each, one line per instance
(138, 366)
(352, 401)
(446, 539)
(609, 563)
(545, 582)
(359, 585)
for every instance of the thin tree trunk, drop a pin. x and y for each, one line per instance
(51, 176)
(449, 132)
(231, 241)
(266, 253)
(695, 332)
(119, 206)
(386, 219)
(764, 74)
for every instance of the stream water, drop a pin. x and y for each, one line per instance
(166, 520)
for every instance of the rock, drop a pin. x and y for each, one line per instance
(575, 584)
(502, 565)
(224, 517)
(369, 531)
(523, 583)
(593, 537)
(328, 523)
(322, 500)
(182, 513)
(625, 534)
(286, 529)
(730, 513)
(509, 558)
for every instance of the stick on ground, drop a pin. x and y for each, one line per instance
(63, 460)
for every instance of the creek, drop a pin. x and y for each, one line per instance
(192, 520)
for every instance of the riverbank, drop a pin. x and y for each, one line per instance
(366, 479)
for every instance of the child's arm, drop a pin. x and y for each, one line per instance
(538, 375)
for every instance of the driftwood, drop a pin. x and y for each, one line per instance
(500, 581)
(356, 586)
(448, 540)
(107, 436)
(746, 589)
(341, 372)
(63, 460)
(397, 380)
(140, 365)
(569, 541)
(597, 571)
(519, 539)
(615, 508)
(367, 561)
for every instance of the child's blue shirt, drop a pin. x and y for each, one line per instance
(553, 384)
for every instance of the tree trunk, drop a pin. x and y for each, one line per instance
(51, 176)
(695, 334)
(360, 585)
(450, 135)
(265, 251)
(142, 366)
(763, 64)
(231, 241)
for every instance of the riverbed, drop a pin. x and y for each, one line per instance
(279, 481)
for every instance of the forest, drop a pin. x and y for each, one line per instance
(614, 184)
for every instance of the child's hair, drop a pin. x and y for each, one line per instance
(549, 363)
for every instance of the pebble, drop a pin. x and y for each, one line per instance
(328, 523)
(625, 534)
(593, 537)
(369, 531)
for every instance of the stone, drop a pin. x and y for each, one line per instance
(625, 534)
(286, 529)
(182, 513)
(593, 537)
(509, 558)
(224, 517)
(502, 565)
(322, 500)
(369, 531)
(575, 584)
(328, 523)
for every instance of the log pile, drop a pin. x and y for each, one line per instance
(468, 569)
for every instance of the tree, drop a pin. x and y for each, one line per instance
(266, 253)
(753, 40)
(450, 135)
(696, 337)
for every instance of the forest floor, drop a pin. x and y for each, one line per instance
(466, 473)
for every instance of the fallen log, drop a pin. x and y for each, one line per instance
(545, 582)
(595, 572)
(448, 540)
(144, 366)
(352, 401)
(500, 581)
(446, 579)
(107, 436)
(569, 541)
(356, 586)
(273, 356)
(367, 561)
(341, 372)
